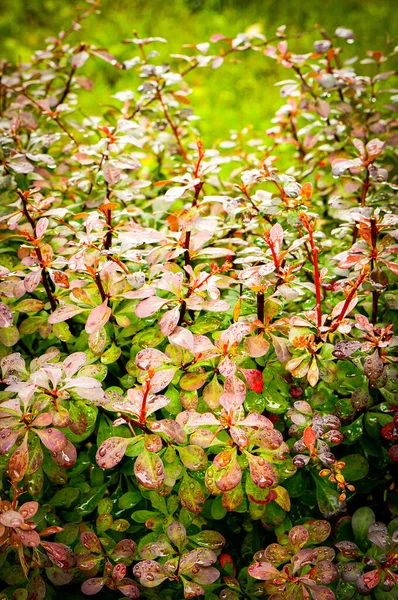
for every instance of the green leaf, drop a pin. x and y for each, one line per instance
(31, 324)
(353, 432)
(65, 497)
(62, 331)
(97, 371)
(356, 467)
(129, 499)
(141, 516)
(327, 498)
(217, 510)
(9, 336)
(89, 501)
(362, 519)
(90, 413)
(111, 355)
(191, 494)
(274, 402)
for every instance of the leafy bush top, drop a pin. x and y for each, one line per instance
(199, 387)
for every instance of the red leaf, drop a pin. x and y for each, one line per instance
(19, 461)
(309, 438)
(261, 471)
(65, 457)
(93, 586)
(254, 379)
(372, 578)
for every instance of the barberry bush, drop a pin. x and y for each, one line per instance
(198, 361)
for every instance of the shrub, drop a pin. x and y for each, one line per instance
(197, 349)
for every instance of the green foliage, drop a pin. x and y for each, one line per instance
(198, 362)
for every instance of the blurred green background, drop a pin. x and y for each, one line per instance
(240, 93)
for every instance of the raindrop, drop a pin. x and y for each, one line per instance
(102, 452)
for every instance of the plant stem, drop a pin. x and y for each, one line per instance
(309, 226)
(348, 300)
(99, 285)
(108, 237)
(44, 274)
(67, 87)
(375, 293)
(260, 307)
(365, 187)
(172, 125)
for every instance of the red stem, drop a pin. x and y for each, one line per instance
(347, 301)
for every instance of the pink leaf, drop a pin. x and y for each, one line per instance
(11, 518)
(42, 420)
(261, 471)
(65, 457)
(183, 338)
(63, 313)
(149, 470)
(323, 109)
(6, 318)
(229, 473)
(98, 317)
(93, 586)
(149, 306)
(31, 538)
(19, 460)
(169, 321)
(150, 358)
(111, 174)
(8, 437)
(32, 281)
(111, 452)
(41, 227)
(256, 346)
(281, 349)
(155, 403)
(60, 554)
(276, 235)
(91, 542)
(190, 419)
(129, 588)
(150, 573)
(374, 148)
(227, 367)
(235, 333)
(73, 363)
(53, 439)
(169, 428)
(264, 571)
(161, 379)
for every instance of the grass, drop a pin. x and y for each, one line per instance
(232, 97)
